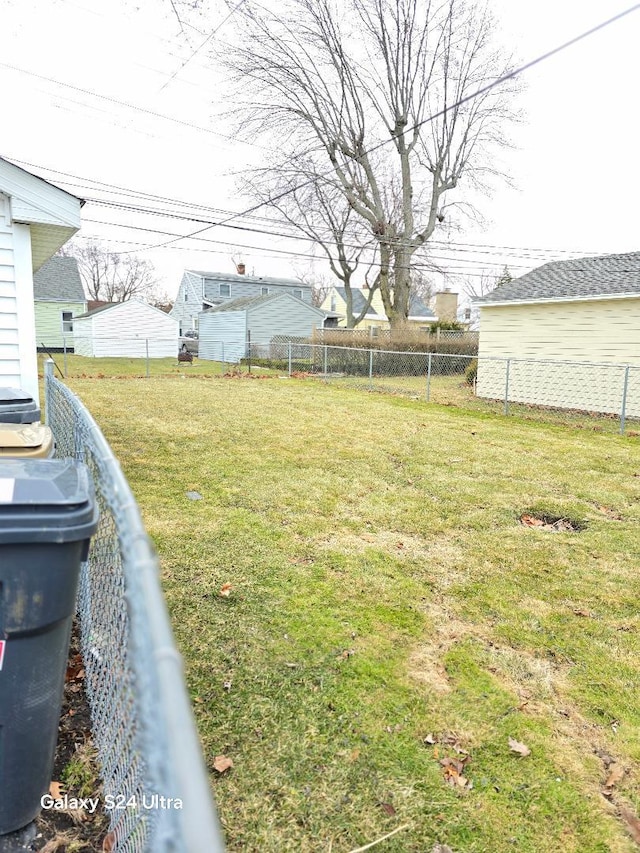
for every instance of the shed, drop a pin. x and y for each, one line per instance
(226, 330)
(555, 324)
(59, 297)
(36, 219)
(131, 329)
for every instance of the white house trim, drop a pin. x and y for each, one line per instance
(555, 300)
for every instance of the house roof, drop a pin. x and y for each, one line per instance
(254, 279)
(58, 280)
(109, 306)
(243, 303)
(580, 278)
(417, 308)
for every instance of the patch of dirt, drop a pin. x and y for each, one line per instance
(552, 523)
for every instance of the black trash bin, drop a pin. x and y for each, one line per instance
(17, 407)
(48, 514)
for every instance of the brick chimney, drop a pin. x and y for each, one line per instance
(445, 305)
(241, 269)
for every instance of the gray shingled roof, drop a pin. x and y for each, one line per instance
(254, 279)
(580, 278)
(244, 302)
(58, 280)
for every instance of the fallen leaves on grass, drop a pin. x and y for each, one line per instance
(225, 590)
(454, 772)
(109, 842)
(222, 763)
(519, 748)
(615, 775)
(388, 808)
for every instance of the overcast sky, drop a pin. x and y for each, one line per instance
(96, 100)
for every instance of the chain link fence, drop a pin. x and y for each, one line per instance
(155, 785)
(590, 394)
(596, 394)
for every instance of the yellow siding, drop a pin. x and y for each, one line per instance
(600, 331)
(49, 322)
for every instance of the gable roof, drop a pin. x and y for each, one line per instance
(110, 306)
(580, 278)
(244, 303)
(58, 280)
(253, 279)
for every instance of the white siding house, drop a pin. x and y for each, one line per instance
(567, 316)
(36, 219)
(226, 331)
(131, 329)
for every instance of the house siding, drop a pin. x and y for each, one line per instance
(9, 353)
(201, 289)
(606, 330)
(282, 317)
(129, 329)
(223, 335)
(186, 311)
(49, 323)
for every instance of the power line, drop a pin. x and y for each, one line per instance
(442, 112)
(202, 44)
(134, 107)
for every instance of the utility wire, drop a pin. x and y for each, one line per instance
(438, 114)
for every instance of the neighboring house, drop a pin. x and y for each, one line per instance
(225, 331)
(59, 297)
(420, 314)
(576, 311)
(36, 219)
(131, 329)
(199, 291)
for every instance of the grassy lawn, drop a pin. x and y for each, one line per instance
(391, 625)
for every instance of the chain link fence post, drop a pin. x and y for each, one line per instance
(146, 349)
(325, 366)
(428, 391)
(506, 388)
(623, 408)
(370, 370)
(64, 356)
(289, 350)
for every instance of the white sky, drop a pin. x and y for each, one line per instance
(576, 168)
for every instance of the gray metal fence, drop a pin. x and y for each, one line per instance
(155, 785)
(601, 390)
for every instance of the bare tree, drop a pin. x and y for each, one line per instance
(318, 209)
(109, 276)
(479, 287)
(376, 93)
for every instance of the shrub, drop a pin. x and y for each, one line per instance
(471, 372)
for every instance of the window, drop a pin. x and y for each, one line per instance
(67, 322)
(264, 291)
(297, 292)
(186, 295)
(225, 290)
(333, 303)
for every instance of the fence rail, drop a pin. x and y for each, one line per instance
(148, 750)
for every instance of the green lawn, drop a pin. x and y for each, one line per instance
(391, 624)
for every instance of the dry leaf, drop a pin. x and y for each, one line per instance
(633, 824)
(355, 755)
(222, 763)
(56, 789)
(109, 842)
(521, 748)
(531, 520)
(225, 590)
(616, 773)
(389, 809)
(429, 739)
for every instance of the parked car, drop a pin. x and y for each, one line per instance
(189, 342)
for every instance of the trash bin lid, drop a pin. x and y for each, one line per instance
(26, 436)
(17, 407)
(46, 500)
